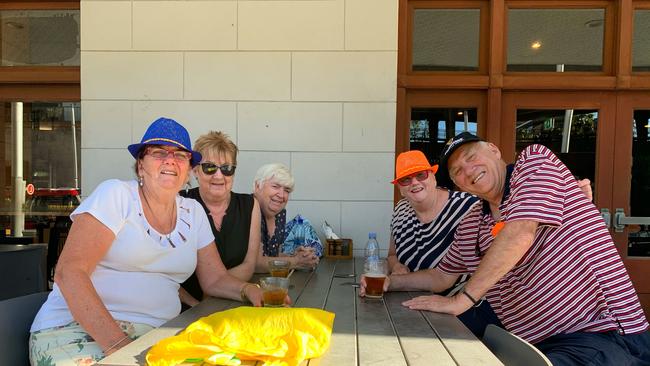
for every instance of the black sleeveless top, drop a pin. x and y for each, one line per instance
(232, 240)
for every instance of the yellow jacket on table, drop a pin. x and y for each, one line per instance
(276, 336)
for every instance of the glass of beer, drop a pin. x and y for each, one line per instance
(279, 268)
(375, 274)
(274, 290)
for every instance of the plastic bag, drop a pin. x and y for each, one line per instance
(300, 232)
(276, 336)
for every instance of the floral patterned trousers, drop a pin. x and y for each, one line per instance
(70, 345)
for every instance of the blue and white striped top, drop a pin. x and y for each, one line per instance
(423, 245)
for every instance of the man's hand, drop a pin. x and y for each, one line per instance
(454, 305)
(362, 285)
(585, 186)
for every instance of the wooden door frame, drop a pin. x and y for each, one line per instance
(638, 80)
(407, 78)
(627, 102)
(40, 83)
(605, 102)
(604, 79)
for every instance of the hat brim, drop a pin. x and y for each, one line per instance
(433, 168)
(134, 149)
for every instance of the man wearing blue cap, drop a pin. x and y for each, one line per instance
(540, 253)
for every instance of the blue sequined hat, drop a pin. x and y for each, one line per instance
(166, 131)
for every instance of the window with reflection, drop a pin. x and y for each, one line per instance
(639, 235)
(432, 127)
(555, 40)
(641, 41)
(573, 142)
(46, 154)
(39, 37)
(446, 39)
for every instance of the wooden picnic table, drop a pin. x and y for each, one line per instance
(366, 331)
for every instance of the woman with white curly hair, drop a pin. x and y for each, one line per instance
(295, 241)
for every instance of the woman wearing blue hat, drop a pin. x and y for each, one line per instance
(130, 245)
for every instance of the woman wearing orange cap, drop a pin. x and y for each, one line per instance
(424, 221)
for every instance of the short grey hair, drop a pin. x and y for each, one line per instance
(276, 172)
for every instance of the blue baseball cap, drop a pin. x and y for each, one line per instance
(166, 131)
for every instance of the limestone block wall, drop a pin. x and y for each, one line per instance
(309, 83)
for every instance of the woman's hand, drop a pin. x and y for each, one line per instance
(363, 285)
(304, 258)
(253, 294)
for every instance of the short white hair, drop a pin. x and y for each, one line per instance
(276, 172)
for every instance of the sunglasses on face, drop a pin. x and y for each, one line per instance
(211, 168)
(420, 176)
(162, 154)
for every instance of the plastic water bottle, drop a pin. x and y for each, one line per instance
(372, 248)
(299, 239)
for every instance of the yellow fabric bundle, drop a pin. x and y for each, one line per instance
(276, 336)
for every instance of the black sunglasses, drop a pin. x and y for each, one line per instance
(211, 168)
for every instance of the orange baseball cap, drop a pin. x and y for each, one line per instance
(410, 162)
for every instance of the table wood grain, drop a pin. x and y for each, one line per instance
(366, 331)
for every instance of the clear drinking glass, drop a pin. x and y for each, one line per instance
(279, 268)
(274, 291)
(375, 272)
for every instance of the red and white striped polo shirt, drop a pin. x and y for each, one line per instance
(572, 278)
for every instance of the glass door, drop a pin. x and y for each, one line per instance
(435, 117)
(577, 127)
(631, 193)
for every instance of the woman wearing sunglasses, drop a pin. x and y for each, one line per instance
(425, 220)
(130, 246)
(234, 217)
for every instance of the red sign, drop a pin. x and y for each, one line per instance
(30, 189)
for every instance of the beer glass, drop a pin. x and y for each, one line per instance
(375, 274)
(279, 268)
(274, 290)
